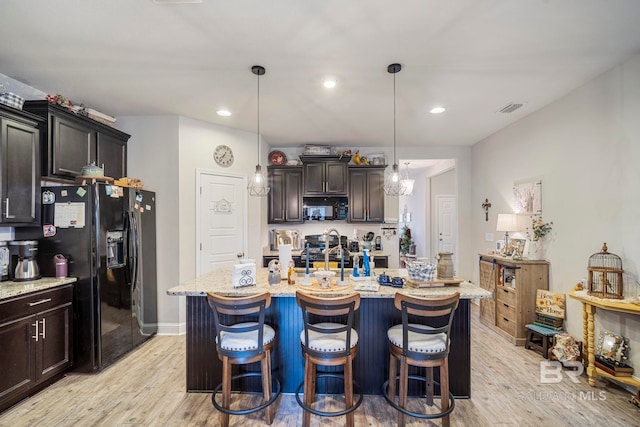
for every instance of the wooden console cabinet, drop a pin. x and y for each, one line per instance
(514, 285)
(35, 338)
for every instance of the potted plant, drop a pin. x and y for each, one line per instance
(406, 242)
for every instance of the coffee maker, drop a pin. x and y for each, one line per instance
(25, 267)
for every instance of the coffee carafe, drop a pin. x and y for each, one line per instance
(26, 267)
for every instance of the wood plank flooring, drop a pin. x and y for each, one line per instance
(147, 388)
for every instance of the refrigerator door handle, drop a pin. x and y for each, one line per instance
(134, 239)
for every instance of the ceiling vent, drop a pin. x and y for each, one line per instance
(510, 108)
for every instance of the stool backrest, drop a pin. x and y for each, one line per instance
(232, 307)
(443, 308)
(315, 308)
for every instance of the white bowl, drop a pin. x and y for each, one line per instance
(321, 274)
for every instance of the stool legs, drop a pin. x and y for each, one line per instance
(444, 390)
(309, 389)
(266, 386)
(226, 390)
(404, 385)
(348, 390)
(429, 383)
(393, 373)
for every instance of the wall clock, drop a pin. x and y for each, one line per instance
(223, 155)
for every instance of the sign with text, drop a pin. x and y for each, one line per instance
(550, 303)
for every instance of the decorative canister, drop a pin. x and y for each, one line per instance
(445, 265)
(274, 272)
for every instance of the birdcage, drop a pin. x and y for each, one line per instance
(605, 274)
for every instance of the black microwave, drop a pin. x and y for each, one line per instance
(325, 208)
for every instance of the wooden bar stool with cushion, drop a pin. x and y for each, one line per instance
(243, 343)
(416, 343)
(327, 342)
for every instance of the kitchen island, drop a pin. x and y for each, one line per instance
(377, 314)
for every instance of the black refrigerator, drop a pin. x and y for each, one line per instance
(108, 235)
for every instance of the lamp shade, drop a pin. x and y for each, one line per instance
(508, 222)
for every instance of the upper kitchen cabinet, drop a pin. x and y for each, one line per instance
(19, 167)
(285, 197)
(325, 175)
(366, 195)
(71, 141)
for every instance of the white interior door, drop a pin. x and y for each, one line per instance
(221, 231)
(447, 220)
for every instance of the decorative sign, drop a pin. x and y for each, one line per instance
(550, 303)
(223, 205)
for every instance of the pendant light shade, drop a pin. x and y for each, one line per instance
(392, 182)
(407, 183)
(258, 185)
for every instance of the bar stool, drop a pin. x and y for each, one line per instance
(418, 344)
(326, 343)
(243, 343)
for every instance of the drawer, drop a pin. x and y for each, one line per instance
(507, 325)
(506, 310)
(506, 295)
(35, 302)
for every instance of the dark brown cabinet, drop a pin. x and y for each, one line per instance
(285, 197)
(325, 177)
(366, 195)
(71, 141)
(35, 337)
(19, 167)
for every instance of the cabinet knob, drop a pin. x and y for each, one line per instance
(36, 335)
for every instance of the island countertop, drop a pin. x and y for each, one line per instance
(219, 281)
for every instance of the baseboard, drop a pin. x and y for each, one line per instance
(172, 328)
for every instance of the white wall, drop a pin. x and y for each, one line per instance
(586, 150)
(152, 152)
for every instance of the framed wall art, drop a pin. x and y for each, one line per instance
(528, 197)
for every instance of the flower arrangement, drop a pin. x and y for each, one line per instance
(540, 228)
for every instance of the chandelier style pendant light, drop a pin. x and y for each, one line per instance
(392, 182)
(258, 184)
(407, 183)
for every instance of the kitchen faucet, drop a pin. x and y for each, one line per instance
(327, 249)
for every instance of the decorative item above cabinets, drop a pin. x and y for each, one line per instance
(325, 175)
(70, 141)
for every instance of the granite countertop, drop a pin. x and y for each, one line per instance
(301, 253)
(13, 289)
(219, 281)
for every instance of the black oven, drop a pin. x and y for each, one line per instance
(325, 208)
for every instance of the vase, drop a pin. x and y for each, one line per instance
(536, 250)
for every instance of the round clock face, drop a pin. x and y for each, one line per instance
(223, 155)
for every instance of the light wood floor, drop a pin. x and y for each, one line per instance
(147, 388)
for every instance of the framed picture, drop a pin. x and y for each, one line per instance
(528, 197)
(612, 347)
(516, 245)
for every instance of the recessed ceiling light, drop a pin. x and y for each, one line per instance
(329, 83)
(223, 113)
(437, 110)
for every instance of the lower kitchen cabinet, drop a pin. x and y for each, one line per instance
(36, 341)
(514, 285)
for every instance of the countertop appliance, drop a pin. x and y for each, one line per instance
(25, 267)
(108, 235)
(285, 237)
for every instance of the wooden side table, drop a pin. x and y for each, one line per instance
(589, 305)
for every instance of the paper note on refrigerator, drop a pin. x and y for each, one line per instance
(69, 215)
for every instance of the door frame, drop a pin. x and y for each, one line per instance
(245, 221)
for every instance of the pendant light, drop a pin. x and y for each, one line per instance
(407, 183)
(258, 184)
(392, 182)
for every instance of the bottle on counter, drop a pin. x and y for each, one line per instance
(366, 266)
(291, 274)
(356, 262)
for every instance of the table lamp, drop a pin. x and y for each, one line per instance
(507, 223)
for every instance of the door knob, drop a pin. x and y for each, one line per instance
(240, 254)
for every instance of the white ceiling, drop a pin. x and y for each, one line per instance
(126, 57)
